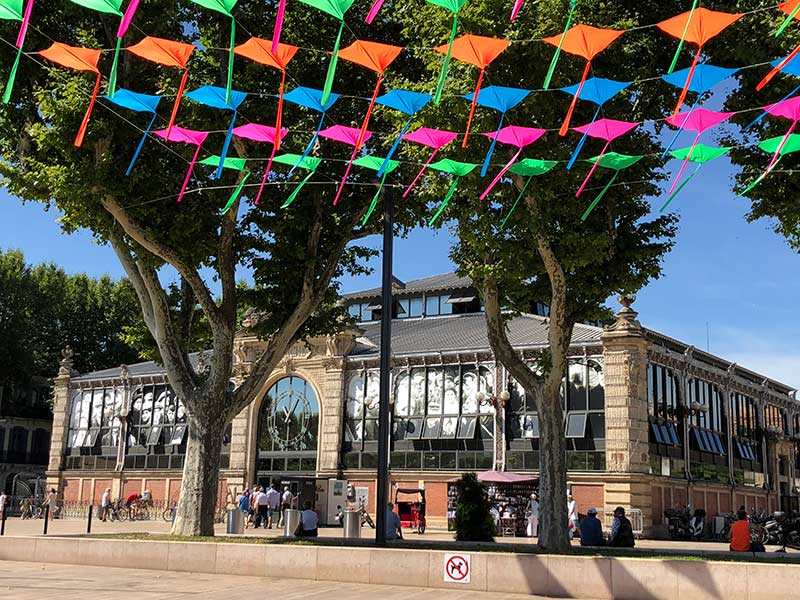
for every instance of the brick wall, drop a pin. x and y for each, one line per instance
(174, 490)
(100, 486)
(71, 489)
(86, 492)
(588, 496)
(157, 487)
(131, 486)
(370, 485)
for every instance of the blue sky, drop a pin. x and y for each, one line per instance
(740, 279)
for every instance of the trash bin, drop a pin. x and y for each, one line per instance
(291, 518)
(235, 521)
(351, 523)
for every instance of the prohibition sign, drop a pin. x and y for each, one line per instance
(457, 568)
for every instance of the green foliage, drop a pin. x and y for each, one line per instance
(474, 522)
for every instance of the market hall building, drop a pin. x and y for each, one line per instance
(651, 423)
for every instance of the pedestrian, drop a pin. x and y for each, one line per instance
(621, 530)
(244, 505)
(52, 503)
(262, 508)
(26, 507)
(572, 513)
(740, 533)
(309, 522)
(105, 505)
(533, 516)
(394, 528)
(3, 500)
(592, 529)
(274, 502)
(286, 504)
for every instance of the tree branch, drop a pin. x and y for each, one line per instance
(125, 257)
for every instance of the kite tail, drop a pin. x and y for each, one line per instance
(472, 107)
(680, 187)
(141, 144)
(421, 171)
(685, 163)
(445, 202)
(689, 77)
(437, 97)
(225, 145)
(592, 170)
(235, 194)
(373, 12)
(788, 20)
(759, 179)
(23, 29)
(579, 147)
(85, 122)
(760, 117)
(127, 18)
(310, 145)
(565, 125)
(231, 53)
(276, 33)
(279, 118)
(517, 7)
(296, 191)
(326, 91)
(500, 174)
(344, 179)
(514, 206)
(680, 129)
(364, 125)
(11, 77)
(374, 202)
(485, 166)
(112, 76)
(777, 154)
(392, 150)
(266, 174)
(769, 76)
(177, 102)
(189, 172)
(552, 68)
(683, 38)
(599, 197)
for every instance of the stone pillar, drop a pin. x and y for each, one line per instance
(627, 439)
(61, 402)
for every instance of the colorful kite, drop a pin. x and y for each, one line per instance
(792, 67)
(11, 10)
(584, 41)
(185, 136)
(530, 168)
(262, 133)
(791, 8)
(787, 109)
(499, 98)
(700, 154)
(406, 102)
(347, 135)
(697, 26)
(310, 163)
(375, 163)
(780, 145)
(263, 52)
(705, 77)
(337, 9)
(433, 138)
(235, 164)
(217, 97)
(697, 120)
(552, 68)
(614, 161)
(169, 54)
(225, 7)
(604, 129)
(139, 103)
(514, 136)
(478, 51)
(459, 169)
(453, 6)
(77, 59)
(311, 98)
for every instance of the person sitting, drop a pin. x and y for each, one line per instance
(309, 522)
(621, 530)
(591, 529)
(740, 533)
(394, 529)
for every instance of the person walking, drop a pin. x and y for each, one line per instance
(105, 505)
(262, 508)
(244, 505)
(3, 500)
(533, 516)
(621, 530)
(274, 502)
(394, 528)
(592, 529)
(26, 507)
(286, 504)
(572, 513)
(52, 503)
(309, 522)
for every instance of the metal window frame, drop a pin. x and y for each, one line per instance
(578, 414)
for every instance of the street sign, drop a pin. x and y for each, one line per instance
(457, 568)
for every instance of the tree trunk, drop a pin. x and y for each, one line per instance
(199, 485)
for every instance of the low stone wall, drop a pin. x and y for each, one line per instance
(546, 575)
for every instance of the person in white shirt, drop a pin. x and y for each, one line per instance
(3, 500)
(309, 522)
(286, 504)
(262, 508)
(533, 517)
(273, 502)
(572, 512)
(105, 504)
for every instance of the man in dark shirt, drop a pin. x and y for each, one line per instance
(591, 529)
(621, 530)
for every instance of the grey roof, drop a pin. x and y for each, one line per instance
(141, 369)
(462, 333)
(447, 281)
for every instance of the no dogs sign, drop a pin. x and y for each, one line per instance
(457, 568)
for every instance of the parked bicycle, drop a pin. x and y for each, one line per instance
(169, 513)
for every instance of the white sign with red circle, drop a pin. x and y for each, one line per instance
(457, 568)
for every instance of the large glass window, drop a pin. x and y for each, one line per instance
(93, 418)
(289, 417)
(157, 417)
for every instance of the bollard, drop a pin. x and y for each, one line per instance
(46, 517)
(3, 523)
(89, 523)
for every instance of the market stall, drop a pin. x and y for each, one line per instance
(509, 495)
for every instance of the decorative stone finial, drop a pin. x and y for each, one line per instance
(626, 317)
(124, 373)
(66, 362)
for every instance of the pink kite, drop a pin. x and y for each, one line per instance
(186, 136)
(261, 133)
(514, 136)
(604, 129)
(698, 119)
(788, 109)
(348, 135)
(433, 138)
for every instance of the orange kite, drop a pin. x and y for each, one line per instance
(587, 42)
(792, 9)
(78, 59)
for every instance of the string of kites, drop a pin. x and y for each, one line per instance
(696, 26)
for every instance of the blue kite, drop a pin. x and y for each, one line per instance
(139, 103)
(310, 98)
(790, 68)
(406, 102)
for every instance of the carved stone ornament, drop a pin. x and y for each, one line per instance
(288, 365)
(626, 317)
(66, 361)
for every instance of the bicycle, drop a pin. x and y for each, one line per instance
(117, 512)
(169, 513)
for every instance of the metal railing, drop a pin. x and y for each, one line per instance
(634, 516)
